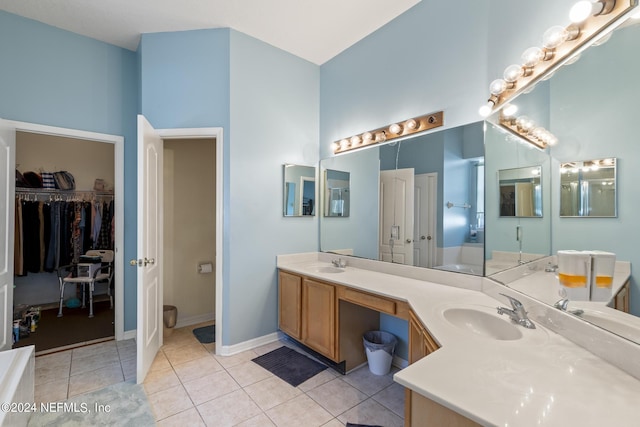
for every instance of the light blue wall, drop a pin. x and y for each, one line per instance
(274, 120)
(428, 59)
(57, 78)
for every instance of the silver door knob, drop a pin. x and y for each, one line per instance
(142, 262)
(409, 240)
(422, 237)
(428, 237)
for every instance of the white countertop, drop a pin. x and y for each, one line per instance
(542, 379)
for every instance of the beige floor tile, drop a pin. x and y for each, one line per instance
(264, 349)
(186, 353)
(197, 368)
(301, 411)
(368, 383)
(229, 410)
(55, 391)
(129, 369)
(248, 373)
(159, 380)
(271, 392)
(93, 361)
(334, 423)
(319, 379)
(258, 421)
(190, 418)
(210, 387)
(95, 380)
(337, 396)
(92, 350)
(61, 359)
(169, 402)
(392, 398)
(45, 373)
(231, 361)
(160, 362)
(372, 413)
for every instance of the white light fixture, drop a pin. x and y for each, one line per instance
(389, 133)
(559, 44)
(510, 110)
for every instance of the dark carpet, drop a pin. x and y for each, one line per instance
(291, 366)
(206, 334)
(74, 327)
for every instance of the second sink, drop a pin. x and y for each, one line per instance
(482, 323)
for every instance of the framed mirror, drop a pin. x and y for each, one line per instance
(425, 194)
(588, 188)
(520, 191)
(299, 190)
(337, 193)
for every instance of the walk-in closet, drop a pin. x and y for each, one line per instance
(64, 231)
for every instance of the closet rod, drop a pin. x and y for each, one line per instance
(21, 191)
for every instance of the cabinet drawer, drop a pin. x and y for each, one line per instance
(367, 300)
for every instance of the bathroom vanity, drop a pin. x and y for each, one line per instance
(467, 364)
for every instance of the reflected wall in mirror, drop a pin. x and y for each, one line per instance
(337, 193)
(591, 121)
(520, 191)
(398, 196)
(588, 188)
(299, 191)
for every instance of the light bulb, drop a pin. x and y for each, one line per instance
(412, 124)
(554, 37)
(367, 137)
(532, 56)
(513, 73)
(584, 9)
(510, 110)
(381, 136)
(395, 128)
(335, 146)
(355, 140)
(486, 109)
(497, 87)
(344, 144)
(552, 139)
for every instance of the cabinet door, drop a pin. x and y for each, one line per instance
(417, 344)
(621, 300)
(319, 314)
(290, 301)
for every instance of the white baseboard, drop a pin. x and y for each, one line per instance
(194, 320)
(229, 350)
(399, 363)
(130, 335)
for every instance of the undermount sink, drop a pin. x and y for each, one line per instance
(481, 323)
(328, 269)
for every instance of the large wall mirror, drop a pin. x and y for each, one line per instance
(593, 123)
(418, 202)
(299, 190)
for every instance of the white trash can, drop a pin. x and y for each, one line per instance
(380, 347)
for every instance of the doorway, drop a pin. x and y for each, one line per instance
(95, 162)
(189, 209)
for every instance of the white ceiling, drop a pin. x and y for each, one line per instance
(316, 30)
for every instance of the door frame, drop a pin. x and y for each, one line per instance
(118, 142)
(218, 134)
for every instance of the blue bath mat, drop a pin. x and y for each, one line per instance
(206, 334)
(291, 366)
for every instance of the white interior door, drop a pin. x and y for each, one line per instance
(7, 212)
(149, 262)
(424, 232)
(396, 215)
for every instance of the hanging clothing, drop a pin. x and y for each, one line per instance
(18, 261)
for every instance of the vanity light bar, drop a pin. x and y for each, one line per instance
(390, 132)
(559, 43)
(526, 129)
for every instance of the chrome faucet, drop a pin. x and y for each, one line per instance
(340, 263)
(518, 314)
(563, 304)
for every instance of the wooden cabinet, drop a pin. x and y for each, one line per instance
(290, 304)
(421, 343)
(621, 300)
(307, 312)
(424, 412)
(319, 317)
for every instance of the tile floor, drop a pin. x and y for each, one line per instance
(189, 385)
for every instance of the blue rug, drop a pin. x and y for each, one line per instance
(291, 366)
(206, 334)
